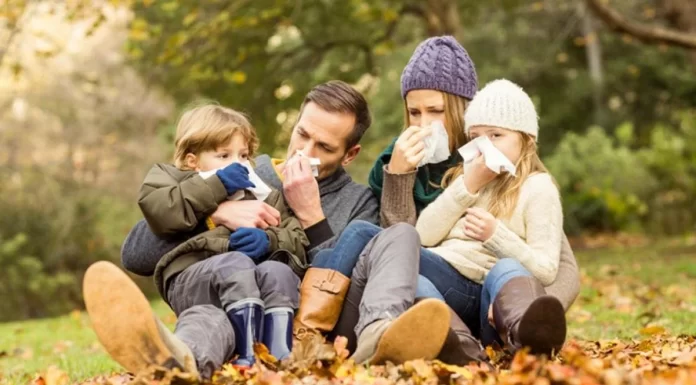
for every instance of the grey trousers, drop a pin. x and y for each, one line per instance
(383, 284)
(200, 294)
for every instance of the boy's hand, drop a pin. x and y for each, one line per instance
(250, 241)
(235, 177)
(479, 224)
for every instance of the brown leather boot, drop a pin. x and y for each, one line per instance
(525, 315)
(321, 299)
(461, 347)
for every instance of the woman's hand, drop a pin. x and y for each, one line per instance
(409, 150)
(479, 224)
(477, 175)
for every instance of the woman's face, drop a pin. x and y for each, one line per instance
(424, 107)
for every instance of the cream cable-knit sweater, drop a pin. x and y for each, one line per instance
(532, 235)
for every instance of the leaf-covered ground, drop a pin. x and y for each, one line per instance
(633, 323)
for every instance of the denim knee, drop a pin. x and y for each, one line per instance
(426, 289)
(363, 227)
(507, 266)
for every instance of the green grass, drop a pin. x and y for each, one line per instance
(627, 289)
(624, 290)
(28, 348)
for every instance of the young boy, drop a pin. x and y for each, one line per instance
(177, 199)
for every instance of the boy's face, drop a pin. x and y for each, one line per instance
(322, 134)
(236, 151)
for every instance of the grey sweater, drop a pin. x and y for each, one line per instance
(342, 201)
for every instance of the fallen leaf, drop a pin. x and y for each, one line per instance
(62, 346)
(652, 330)
(55, 376)
(23, 353)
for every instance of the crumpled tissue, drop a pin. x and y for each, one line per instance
(261, 191)
(436, 145)
(314, 162)
(495, 160)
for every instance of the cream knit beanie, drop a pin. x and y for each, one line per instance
(502, 103)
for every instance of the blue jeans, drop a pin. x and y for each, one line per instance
(467, 298)
(345, 254)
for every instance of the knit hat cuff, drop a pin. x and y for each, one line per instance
(417, 83)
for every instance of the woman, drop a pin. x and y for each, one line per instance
(437, 84)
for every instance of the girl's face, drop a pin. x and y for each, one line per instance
(507, 141)
(424, 107)
(236, 151)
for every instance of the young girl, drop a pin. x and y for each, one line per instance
(497, 237)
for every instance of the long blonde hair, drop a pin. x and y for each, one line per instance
(506, 188)
(455, 106)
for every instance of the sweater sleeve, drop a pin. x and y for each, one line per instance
(543, 219)
(438, 219)
(397, 204)
(171, 205)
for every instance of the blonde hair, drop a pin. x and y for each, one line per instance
(506, 188)
(455, 106)
(208, 127)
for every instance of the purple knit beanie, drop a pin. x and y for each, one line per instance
(440, 63)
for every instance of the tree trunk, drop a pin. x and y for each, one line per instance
(441, 17)
(593, 52)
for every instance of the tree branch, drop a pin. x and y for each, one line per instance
(647, 33)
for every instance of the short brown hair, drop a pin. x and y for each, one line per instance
(208, 127)
(338, 96)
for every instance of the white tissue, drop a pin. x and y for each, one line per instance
(436, 145)
(261, 191)
(314, 162)
(495, 160)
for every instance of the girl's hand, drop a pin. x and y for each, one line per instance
(479, 224)
(409, 150)
(477, 175)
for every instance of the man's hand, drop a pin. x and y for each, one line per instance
(301, 191)
(479, 224)
(236, 214)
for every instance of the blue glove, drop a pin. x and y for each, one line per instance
(251, 241)
(235, 177)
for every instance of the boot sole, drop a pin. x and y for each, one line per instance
(123, 320)
(543, 326)
(419, 333)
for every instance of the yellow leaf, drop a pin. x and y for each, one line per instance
(237, 77)
(262, 354)
(458, 370)
(190, 18)
(138, 35)
(390, 15)
(170, 6)
(55, 376)
(652, 330)
(538, 6)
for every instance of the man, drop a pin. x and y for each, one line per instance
(332, 120)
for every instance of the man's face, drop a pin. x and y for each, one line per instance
(322, 134)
